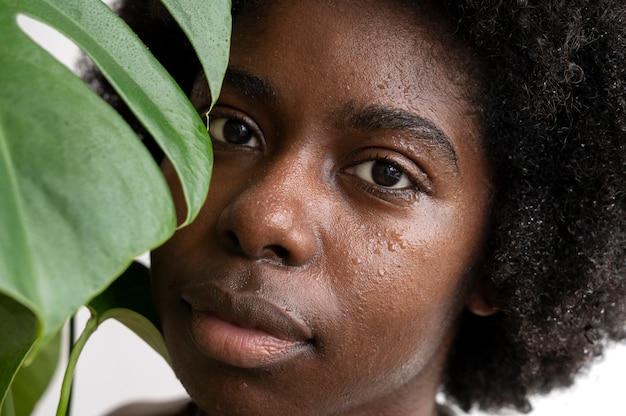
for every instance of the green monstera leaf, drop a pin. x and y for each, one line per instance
(80, 195)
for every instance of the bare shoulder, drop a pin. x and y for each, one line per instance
(182, 407)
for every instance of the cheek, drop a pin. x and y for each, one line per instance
(400, 299)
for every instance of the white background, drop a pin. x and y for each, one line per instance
(117, 367)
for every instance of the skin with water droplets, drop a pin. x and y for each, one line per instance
(378, 276)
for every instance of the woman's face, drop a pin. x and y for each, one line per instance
(345, 223)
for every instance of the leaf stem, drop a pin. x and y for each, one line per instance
(90, 328)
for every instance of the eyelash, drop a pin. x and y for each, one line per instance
(407, 194)
(228, 116)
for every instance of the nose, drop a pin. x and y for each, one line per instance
(272, 218)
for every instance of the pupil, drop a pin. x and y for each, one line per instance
(385, 174)
(236, 132)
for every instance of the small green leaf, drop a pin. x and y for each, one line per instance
(131, 290)
(18, 330)
(141, 326)
(7, 409)
(128, 301)
(33, 378)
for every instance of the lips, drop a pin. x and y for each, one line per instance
(243, 329)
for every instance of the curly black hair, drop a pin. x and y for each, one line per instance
(554, 103)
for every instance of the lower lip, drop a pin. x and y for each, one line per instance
(237, 346)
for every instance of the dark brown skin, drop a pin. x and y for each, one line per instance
(346, 221)
(176, 408)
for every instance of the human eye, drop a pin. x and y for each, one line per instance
(382, 173)
(232, 130)
(389, 177)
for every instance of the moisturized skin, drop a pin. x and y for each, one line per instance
(347, 216)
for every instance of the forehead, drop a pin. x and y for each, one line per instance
(341, 30)
(369, 19)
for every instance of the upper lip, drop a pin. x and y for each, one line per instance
(246, 309)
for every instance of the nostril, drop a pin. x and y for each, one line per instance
(232, 240)
(270, 251)
(279, 251)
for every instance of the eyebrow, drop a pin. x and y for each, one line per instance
(370, 118)
(249, 85)
(374, 118)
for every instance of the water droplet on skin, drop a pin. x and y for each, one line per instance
(397, 240)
